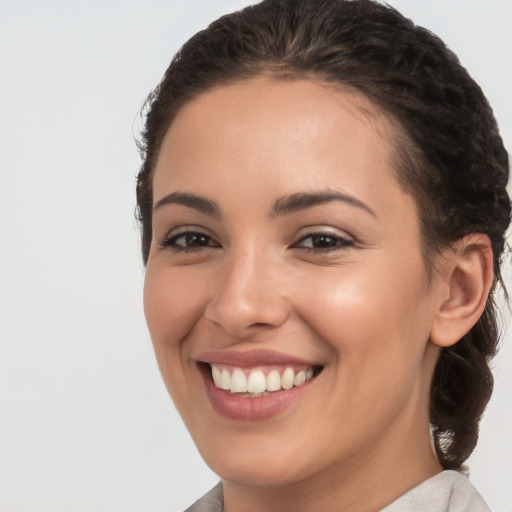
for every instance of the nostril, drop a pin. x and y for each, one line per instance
(244, 303)
(259, 325)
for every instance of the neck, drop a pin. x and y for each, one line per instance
(365, 483)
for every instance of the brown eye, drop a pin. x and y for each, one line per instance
(189, 240)
(323, 242)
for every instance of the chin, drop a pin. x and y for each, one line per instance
(269, 473)
(262, 460)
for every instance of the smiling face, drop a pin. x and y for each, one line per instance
(284, 249)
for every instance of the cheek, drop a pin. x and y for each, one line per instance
(376, 331)
(172, 305)
(377, 313)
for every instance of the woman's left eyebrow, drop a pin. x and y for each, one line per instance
(303, 200)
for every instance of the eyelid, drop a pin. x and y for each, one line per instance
(186, 228)
(175, 233)
(324, 229)
(343, 239)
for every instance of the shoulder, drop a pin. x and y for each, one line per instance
(449, 491)
(212, 501)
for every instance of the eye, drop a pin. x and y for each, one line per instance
(188, 241)
(323, 242)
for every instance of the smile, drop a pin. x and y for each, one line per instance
(256, 382)
(255, 385)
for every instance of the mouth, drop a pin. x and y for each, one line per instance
(255, 385)
(259, 381)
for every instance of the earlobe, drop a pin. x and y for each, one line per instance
(469, 277)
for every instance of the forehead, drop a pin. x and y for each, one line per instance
(273, 99)
(273, 122)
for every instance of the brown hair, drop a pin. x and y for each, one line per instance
(451, 157)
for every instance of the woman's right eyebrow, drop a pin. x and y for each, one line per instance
(199, 203)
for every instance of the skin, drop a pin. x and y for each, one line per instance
(365, 310)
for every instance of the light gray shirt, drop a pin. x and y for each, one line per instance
(449, 491)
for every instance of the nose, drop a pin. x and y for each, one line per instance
(250, 295)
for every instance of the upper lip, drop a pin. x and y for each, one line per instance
(248, 359)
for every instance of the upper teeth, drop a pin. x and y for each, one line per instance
(255, 381)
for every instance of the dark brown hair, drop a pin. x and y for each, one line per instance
(450, 155)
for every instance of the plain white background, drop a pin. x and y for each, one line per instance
(85, 422)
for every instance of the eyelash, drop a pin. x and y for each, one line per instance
(338, 242)
(334, 242)
(171, 242)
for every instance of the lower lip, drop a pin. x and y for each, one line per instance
(236, 407)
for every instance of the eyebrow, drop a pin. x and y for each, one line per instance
(304, 200)
(199, 203)
(283, 206)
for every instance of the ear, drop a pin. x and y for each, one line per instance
(469, 276)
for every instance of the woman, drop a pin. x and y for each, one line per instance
(323, 209)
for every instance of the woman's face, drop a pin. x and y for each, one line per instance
(286, 254)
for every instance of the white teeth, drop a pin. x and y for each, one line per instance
(238, 381)
(287, 378)
(226, 380)
(300, 378)
(273, 381)
(256, 383)
(217, 376)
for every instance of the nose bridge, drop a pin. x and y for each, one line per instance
(248, 295)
